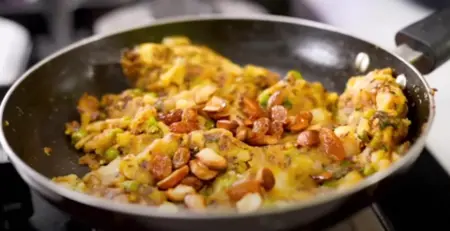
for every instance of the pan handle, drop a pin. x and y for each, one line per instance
(426, 43)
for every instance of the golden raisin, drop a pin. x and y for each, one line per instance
(276, 129)
(251, 108)
(192, 181)
(331, 144)
(279, 113)
(261, 126)
(240, 189)
(308, 138)
(171, 117)
(160, 166)
(181, 157)
(300, 122)
(189, 115)
(183, 127)
(227, 124)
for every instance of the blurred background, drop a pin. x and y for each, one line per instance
(53, 24)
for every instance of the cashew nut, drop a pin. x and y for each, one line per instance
(215, 104)
(211, 159)
(178, 193)
(174, 178)
(249, 203)
(195, 202)
(201, 171)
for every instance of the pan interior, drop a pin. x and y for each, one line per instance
(45, 100)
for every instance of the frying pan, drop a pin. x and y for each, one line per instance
(36, 107)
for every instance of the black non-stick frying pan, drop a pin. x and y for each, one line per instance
(44, 98)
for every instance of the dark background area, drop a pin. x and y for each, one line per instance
(40, 19)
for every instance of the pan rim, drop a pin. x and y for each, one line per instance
(147, 211)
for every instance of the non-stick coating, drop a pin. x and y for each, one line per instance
(40, 106)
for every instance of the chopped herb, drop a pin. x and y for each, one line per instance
(6, 123)
(384, 120)
(111, 154)
(126, 118)
(264, 99)
(152, 94)
(287, 104)
(102, 115)
(78, 135)
(364, 137)
(151, 121)
(115, 131)
(346, 163)
(296, 74)
(209, 124)
(153, 129)
(137, 91)
(386, 123)
(330, 183)
(376, 141)
(369, 114)
(368, 170)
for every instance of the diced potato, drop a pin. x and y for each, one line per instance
(349, 140)
(183, 104)
(383, 164)
(321, 116)
(175, 74)
(350, 180)
(124, 139)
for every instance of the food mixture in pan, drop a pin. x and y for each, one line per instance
(199, 131)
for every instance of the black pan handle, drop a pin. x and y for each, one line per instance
(426, 43)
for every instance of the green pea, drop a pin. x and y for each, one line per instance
(330, 183)
(111, 153)
(78, 135)
(369, 113)
(115, 131)
(137, 91)
(152, 121)
(152, 94)
(364, 136)
(153, 129)
(264, 99)
(209, 124)
(346, 163)
(287, 104)
(130, 185)
(296, 74)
